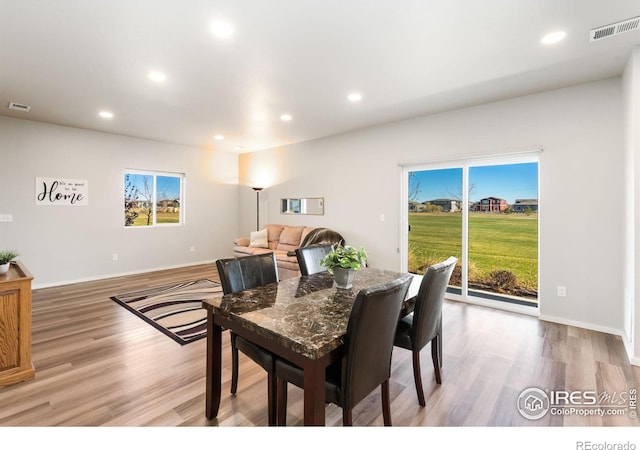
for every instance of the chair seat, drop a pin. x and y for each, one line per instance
(263, 357)
(295, 375)
(403, 333)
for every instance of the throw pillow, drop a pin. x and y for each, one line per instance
(259, 239)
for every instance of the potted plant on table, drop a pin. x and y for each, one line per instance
(342, 262)
(6, 256)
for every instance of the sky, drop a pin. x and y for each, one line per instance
(510, 181)
(168, 188)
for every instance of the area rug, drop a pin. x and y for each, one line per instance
(176, 309)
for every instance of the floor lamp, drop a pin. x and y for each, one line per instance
(257, 189)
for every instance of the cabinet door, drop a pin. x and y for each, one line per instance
(9, 329)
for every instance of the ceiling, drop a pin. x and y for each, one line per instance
(71, 59)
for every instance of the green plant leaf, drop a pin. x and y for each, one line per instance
(346, 257)
(6, 256)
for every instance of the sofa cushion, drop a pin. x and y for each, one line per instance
(274, 232)
(287, 262)
(290, 238)
(259, 239)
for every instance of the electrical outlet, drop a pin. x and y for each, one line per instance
(192, 249)
(115, 256)
(562, 291)
(6, 217)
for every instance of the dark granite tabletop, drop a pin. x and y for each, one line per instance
(308, 315)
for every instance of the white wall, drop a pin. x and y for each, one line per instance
(65, 244)
(631, 271)
(581, 186)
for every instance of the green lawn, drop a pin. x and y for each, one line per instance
(168, 217)
(161, 217)
(496, 242)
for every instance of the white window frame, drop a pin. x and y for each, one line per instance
(154, 174)
(525, 156)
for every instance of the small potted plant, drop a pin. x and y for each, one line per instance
(342, 262)
(6, 256)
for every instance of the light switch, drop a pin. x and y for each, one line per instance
(6, 217)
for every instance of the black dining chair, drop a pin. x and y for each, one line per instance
(309, 258)
(424, 325)
(366, 361)
(239, 274)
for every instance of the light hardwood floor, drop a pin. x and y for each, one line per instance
(99, 365)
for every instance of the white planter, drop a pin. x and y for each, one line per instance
(4, 268)
(343, 277)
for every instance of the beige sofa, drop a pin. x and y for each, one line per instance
(283, 240)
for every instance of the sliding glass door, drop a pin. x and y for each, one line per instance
(503, 232)
(435, 219)
(485, 213)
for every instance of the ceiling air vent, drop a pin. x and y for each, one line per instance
(19, 107)
(606, 31)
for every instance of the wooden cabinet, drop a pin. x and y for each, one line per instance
(15, 325)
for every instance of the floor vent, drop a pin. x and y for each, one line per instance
(606, 31)
(19, 107)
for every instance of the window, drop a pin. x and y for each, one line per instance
(497, 251)
(153, 199)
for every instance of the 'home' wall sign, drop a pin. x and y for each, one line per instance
(61, 192)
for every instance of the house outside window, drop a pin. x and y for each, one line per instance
(490, 204)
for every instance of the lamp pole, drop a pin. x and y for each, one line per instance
(257, 189)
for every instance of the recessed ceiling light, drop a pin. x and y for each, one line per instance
(222, 29)
(106, 114)
(238, 148)
(354, 97)
(219, 137)
(553, 38)
(158, 77)
(286, 117)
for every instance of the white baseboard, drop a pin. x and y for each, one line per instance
(585, 325)
(115, 275)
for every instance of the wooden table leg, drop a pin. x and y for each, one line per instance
(314, 395)
(214, 367)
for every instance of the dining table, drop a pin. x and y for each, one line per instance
(302, 320)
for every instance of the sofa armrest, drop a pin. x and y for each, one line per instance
(241, 242)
